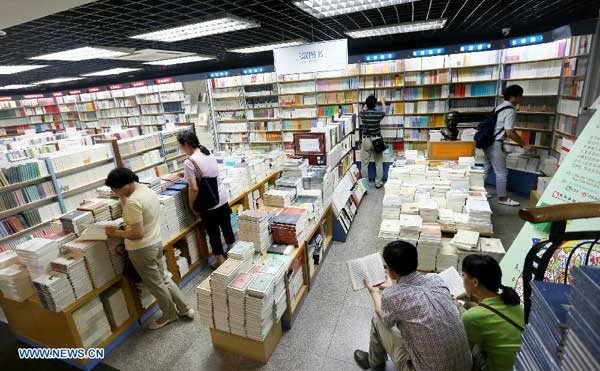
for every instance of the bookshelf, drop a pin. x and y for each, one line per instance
(13, 120)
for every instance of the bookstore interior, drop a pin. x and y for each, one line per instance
(283, 98)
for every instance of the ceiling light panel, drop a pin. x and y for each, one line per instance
(82, 54)
(181, 60)
(398, 28)
(331, 8)
(112, 71)
(266, 47)
(199, 29)
(58, 80)
(16, 86)
(9, 70)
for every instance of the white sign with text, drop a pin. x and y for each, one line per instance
(315, 57)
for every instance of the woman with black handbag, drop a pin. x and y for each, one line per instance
(207, 196)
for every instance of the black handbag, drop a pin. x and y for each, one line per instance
(208, 190)
(378, 144)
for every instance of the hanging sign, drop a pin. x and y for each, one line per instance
(5, 98)
(93, 90)
(115, 87)
(137, 84)
(57, 94)
(165, 80)
(315, 57)
(33, 96)
(74, 92)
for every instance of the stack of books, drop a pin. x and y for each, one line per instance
(114, 206)
(542, 340)
(466, 240)
(106, 192)
(581, 345)
(117, 260)
(410, 208)
(410, 226)
(37, 254)
(390, 229)
(236, 295)
(446, 219)
(54, 291)
(480, 214)
(204, 302)
(184, 214)
(7, 258)
(446, 257)
(429, 244)
(98, 208)
(169, 225)
(392, 204)
(152, 182)
(219, 280)
(294, 168)
(254, 227)
(288, 226)
(492, 247)
(278, 198)
(277, 266)
(428, 209)
(76, 221)
(97, 260)
(15, 283)
(476, 178)
(455, 200)
(259, 306)
(91, 323)
(73, 265)
(61, 237)
(244, 252)
(115, 306)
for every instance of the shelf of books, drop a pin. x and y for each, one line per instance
(13, 120)
(43, 114)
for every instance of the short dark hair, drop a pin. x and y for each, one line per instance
(401, 257)
(488, 272)
(120, 177)
(512, 91)
(371, 102)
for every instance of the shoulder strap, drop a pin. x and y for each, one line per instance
(503, 108)
(196, 168)
(501, 315)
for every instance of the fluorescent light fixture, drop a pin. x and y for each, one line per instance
(266, 47)
(398, 28)
(58, 80)
(82, 54)
(16, 86)
(181, 60)
(379, 57)
(330, 8)
(112, 71)
(223, 24)
(9, 70)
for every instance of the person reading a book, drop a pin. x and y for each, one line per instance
(416, 322)
(200, 164)
(143, 242)
(370, 127)
(494, 326)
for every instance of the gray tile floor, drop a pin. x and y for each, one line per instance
(333, 322)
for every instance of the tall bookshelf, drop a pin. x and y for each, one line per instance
(13, 120)
(43, 114)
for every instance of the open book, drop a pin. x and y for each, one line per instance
(94, 232)
(369, 268)
(454, 281)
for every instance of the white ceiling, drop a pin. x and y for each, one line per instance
(14, 12)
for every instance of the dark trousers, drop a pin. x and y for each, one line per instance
(216, 221)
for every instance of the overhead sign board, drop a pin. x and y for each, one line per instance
(315, 57)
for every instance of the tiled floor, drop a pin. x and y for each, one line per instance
(333, 322)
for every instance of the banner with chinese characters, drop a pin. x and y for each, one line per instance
(314, 57)
(577, 180)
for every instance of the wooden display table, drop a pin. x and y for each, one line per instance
(253, 349)
(450, 150)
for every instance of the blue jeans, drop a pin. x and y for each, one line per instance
(495, 158)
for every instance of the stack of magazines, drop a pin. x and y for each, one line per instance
(73, 265)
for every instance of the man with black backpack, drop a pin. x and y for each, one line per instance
(491, 135)
(372, 145)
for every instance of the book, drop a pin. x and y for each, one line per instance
(368, 268)
(454, 281)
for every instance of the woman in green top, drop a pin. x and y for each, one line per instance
(495, 325)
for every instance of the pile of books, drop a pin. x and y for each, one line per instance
(278, 198)
(466, 240)
(313, 179)
(446, 219)
(294, 168)
(236, 296)
(73, 265)
(184, 214)
(219, 280)
(392, 204)
(476, 178)
(410, 227)
(91, 323)
(97, 260)
(106, 192)
(37, 254)
(277, 266)
(492, 247)
(428, 210)
(259, 306)
(114, 206)
(254, 227)
(152, 182)
(429, 244)
(446, 257)
(455, 200)
(7, 258)
(76, 221)
(242, 251)
(390, 229)
(204, 302)
(98, 208)
(117, 260)
(15, 282)
(480, 214)
(54, 291)
(288, 226)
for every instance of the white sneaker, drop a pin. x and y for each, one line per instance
(509, 202)
(155, 325)
(189, 314)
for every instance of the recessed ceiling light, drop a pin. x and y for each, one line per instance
(16, 86)
(223, 24)
(330, 8)
(181, 60)
(9, 70)
(82, 54)
(398, 28)
(59, 80)
(112, 71)
(265, 47)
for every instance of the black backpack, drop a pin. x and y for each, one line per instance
(486, 130)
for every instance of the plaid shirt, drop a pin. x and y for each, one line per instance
(429, 322)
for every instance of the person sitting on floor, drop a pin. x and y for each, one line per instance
(494, 327)
(416, 322)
